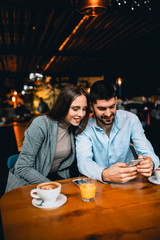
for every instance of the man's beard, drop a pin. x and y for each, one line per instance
(104, 121)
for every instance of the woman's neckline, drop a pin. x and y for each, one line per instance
(63, 124)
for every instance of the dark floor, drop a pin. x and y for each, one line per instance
(153, 134)
(1, 231)
(8, 147)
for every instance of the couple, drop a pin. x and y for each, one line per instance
(102, 145)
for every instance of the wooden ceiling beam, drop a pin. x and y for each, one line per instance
(47, 25)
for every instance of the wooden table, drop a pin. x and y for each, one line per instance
(128, 211)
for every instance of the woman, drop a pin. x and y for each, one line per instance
(48, 150)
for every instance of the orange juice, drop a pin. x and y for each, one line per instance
(88, 190)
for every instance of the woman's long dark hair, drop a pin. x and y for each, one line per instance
(63, 102)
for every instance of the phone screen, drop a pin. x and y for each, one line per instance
(135, 162)
(76, 181)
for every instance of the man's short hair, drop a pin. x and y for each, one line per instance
(102, 90)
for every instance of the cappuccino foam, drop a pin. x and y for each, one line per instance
(48, 186)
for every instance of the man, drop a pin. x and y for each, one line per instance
(42, 107)
(103, 149)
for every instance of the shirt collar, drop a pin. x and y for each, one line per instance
(115, 124)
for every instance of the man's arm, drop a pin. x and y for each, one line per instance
(119, 172)
(86, 165)
(144, 150)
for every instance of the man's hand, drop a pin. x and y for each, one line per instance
(119, 173)
(146, 166)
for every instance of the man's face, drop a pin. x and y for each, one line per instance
(105, 110)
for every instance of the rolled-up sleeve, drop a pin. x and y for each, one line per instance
(141, 143)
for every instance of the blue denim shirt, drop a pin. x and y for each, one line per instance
(96, 151)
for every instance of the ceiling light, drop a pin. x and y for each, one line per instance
(36, 76)
(91, 7)
(98, 7)
(32, 76)
(25, 87)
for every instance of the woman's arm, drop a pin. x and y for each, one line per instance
(28, 166)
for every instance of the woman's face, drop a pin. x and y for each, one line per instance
(77, 111)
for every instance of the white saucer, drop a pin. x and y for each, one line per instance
(59, 202)
(153, 179)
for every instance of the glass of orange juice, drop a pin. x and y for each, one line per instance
(88, 189)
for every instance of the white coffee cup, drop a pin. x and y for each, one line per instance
(48, 192)
(157, 174)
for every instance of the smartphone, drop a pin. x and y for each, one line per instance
(135, 162)
(76, 181)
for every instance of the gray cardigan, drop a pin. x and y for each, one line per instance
(37, 154)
